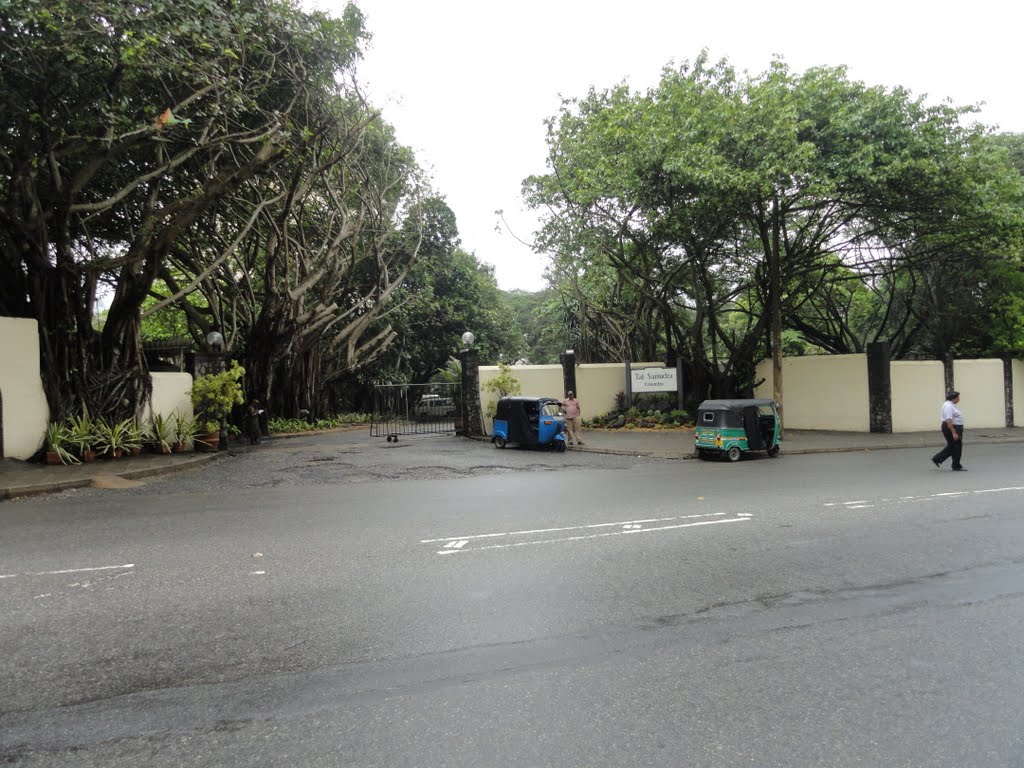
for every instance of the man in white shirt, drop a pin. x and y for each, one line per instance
(953, 431)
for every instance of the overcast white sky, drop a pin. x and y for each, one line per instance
(468, 83)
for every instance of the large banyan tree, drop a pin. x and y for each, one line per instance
(713, 213)
(219, 146)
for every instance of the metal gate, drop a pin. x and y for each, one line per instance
(415, 409)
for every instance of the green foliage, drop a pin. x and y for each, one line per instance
(163, 432)
(115, 437)
(505, 384)
(170, 321)
(447, 293)
(83, 431)
(670, 213)
(641, 418)
(450, 373)
(539, 322)
(186, 429)
(215, 394)
(291, 426)
(58, 437)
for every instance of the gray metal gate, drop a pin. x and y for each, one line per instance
(414, 409)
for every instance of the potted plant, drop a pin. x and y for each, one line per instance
(113, 437)
(138, 436)
(185, 432)
(162, 433)
(83, 435)
(58, 437)
(213, 397)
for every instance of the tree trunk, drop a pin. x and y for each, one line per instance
(775, 299)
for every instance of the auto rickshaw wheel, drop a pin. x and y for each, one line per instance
(773, 451)
(734, 453)
(560, 446)
(499, 441)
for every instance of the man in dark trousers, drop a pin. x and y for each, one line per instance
(953, 431)
(252, 421)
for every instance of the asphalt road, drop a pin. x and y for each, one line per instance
(342, 601)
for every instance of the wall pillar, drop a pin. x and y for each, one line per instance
(1008, 389)
(879, 387)
(568, 361)
(472, 421)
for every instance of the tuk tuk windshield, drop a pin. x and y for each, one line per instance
(551, 409)
(729, 413)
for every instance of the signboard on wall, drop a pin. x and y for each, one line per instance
(654, 380)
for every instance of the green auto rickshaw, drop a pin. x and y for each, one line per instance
(730, 428)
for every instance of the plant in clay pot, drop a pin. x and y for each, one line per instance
(58, 438)
(138, 436)
(162, 433)
(114, 438)
(83, 435)
(185, 432)
(213, 396)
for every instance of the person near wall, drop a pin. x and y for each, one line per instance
(252, 421)
(953, 430)
(573, 422)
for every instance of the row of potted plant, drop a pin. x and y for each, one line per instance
(82, 438)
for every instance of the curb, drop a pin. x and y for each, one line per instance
(789, 452)
(56, 486)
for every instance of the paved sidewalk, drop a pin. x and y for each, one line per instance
(678, 444)
(18, 478)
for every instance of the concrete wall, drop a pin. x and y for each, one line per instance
(25, 411)
(596, 384)
(918, 391)
(821, 392)
(603, 381)
(170, 394)
(982, 397)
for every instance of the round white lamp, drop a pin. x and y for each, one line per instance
(215, 340)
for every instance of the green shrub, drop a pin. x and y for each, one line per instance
(214, 395)
(58, 438)
(282, 426)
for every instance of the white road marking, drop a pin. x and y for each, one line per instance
(85, 570)
(456, 544)
(536, 531)
(944, 495)
(597, 535)
(69, 570)
(258, 573)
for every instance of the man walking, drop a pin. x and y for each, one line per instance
(953, 431)
(573, 422)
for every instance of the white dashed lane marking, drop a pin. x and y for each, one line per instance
(865, 503)
(481, 542)
(69, 570)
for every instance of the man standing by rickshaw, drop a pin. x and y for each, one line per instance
(573, 422)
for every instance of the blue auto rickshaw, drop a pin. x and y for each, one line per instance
(730, 428)
(529, 422)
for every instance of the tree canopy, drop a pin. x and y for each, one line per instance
(709, 214)
(214, 165)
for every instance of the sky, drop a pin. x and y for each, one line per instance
(468, 83)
